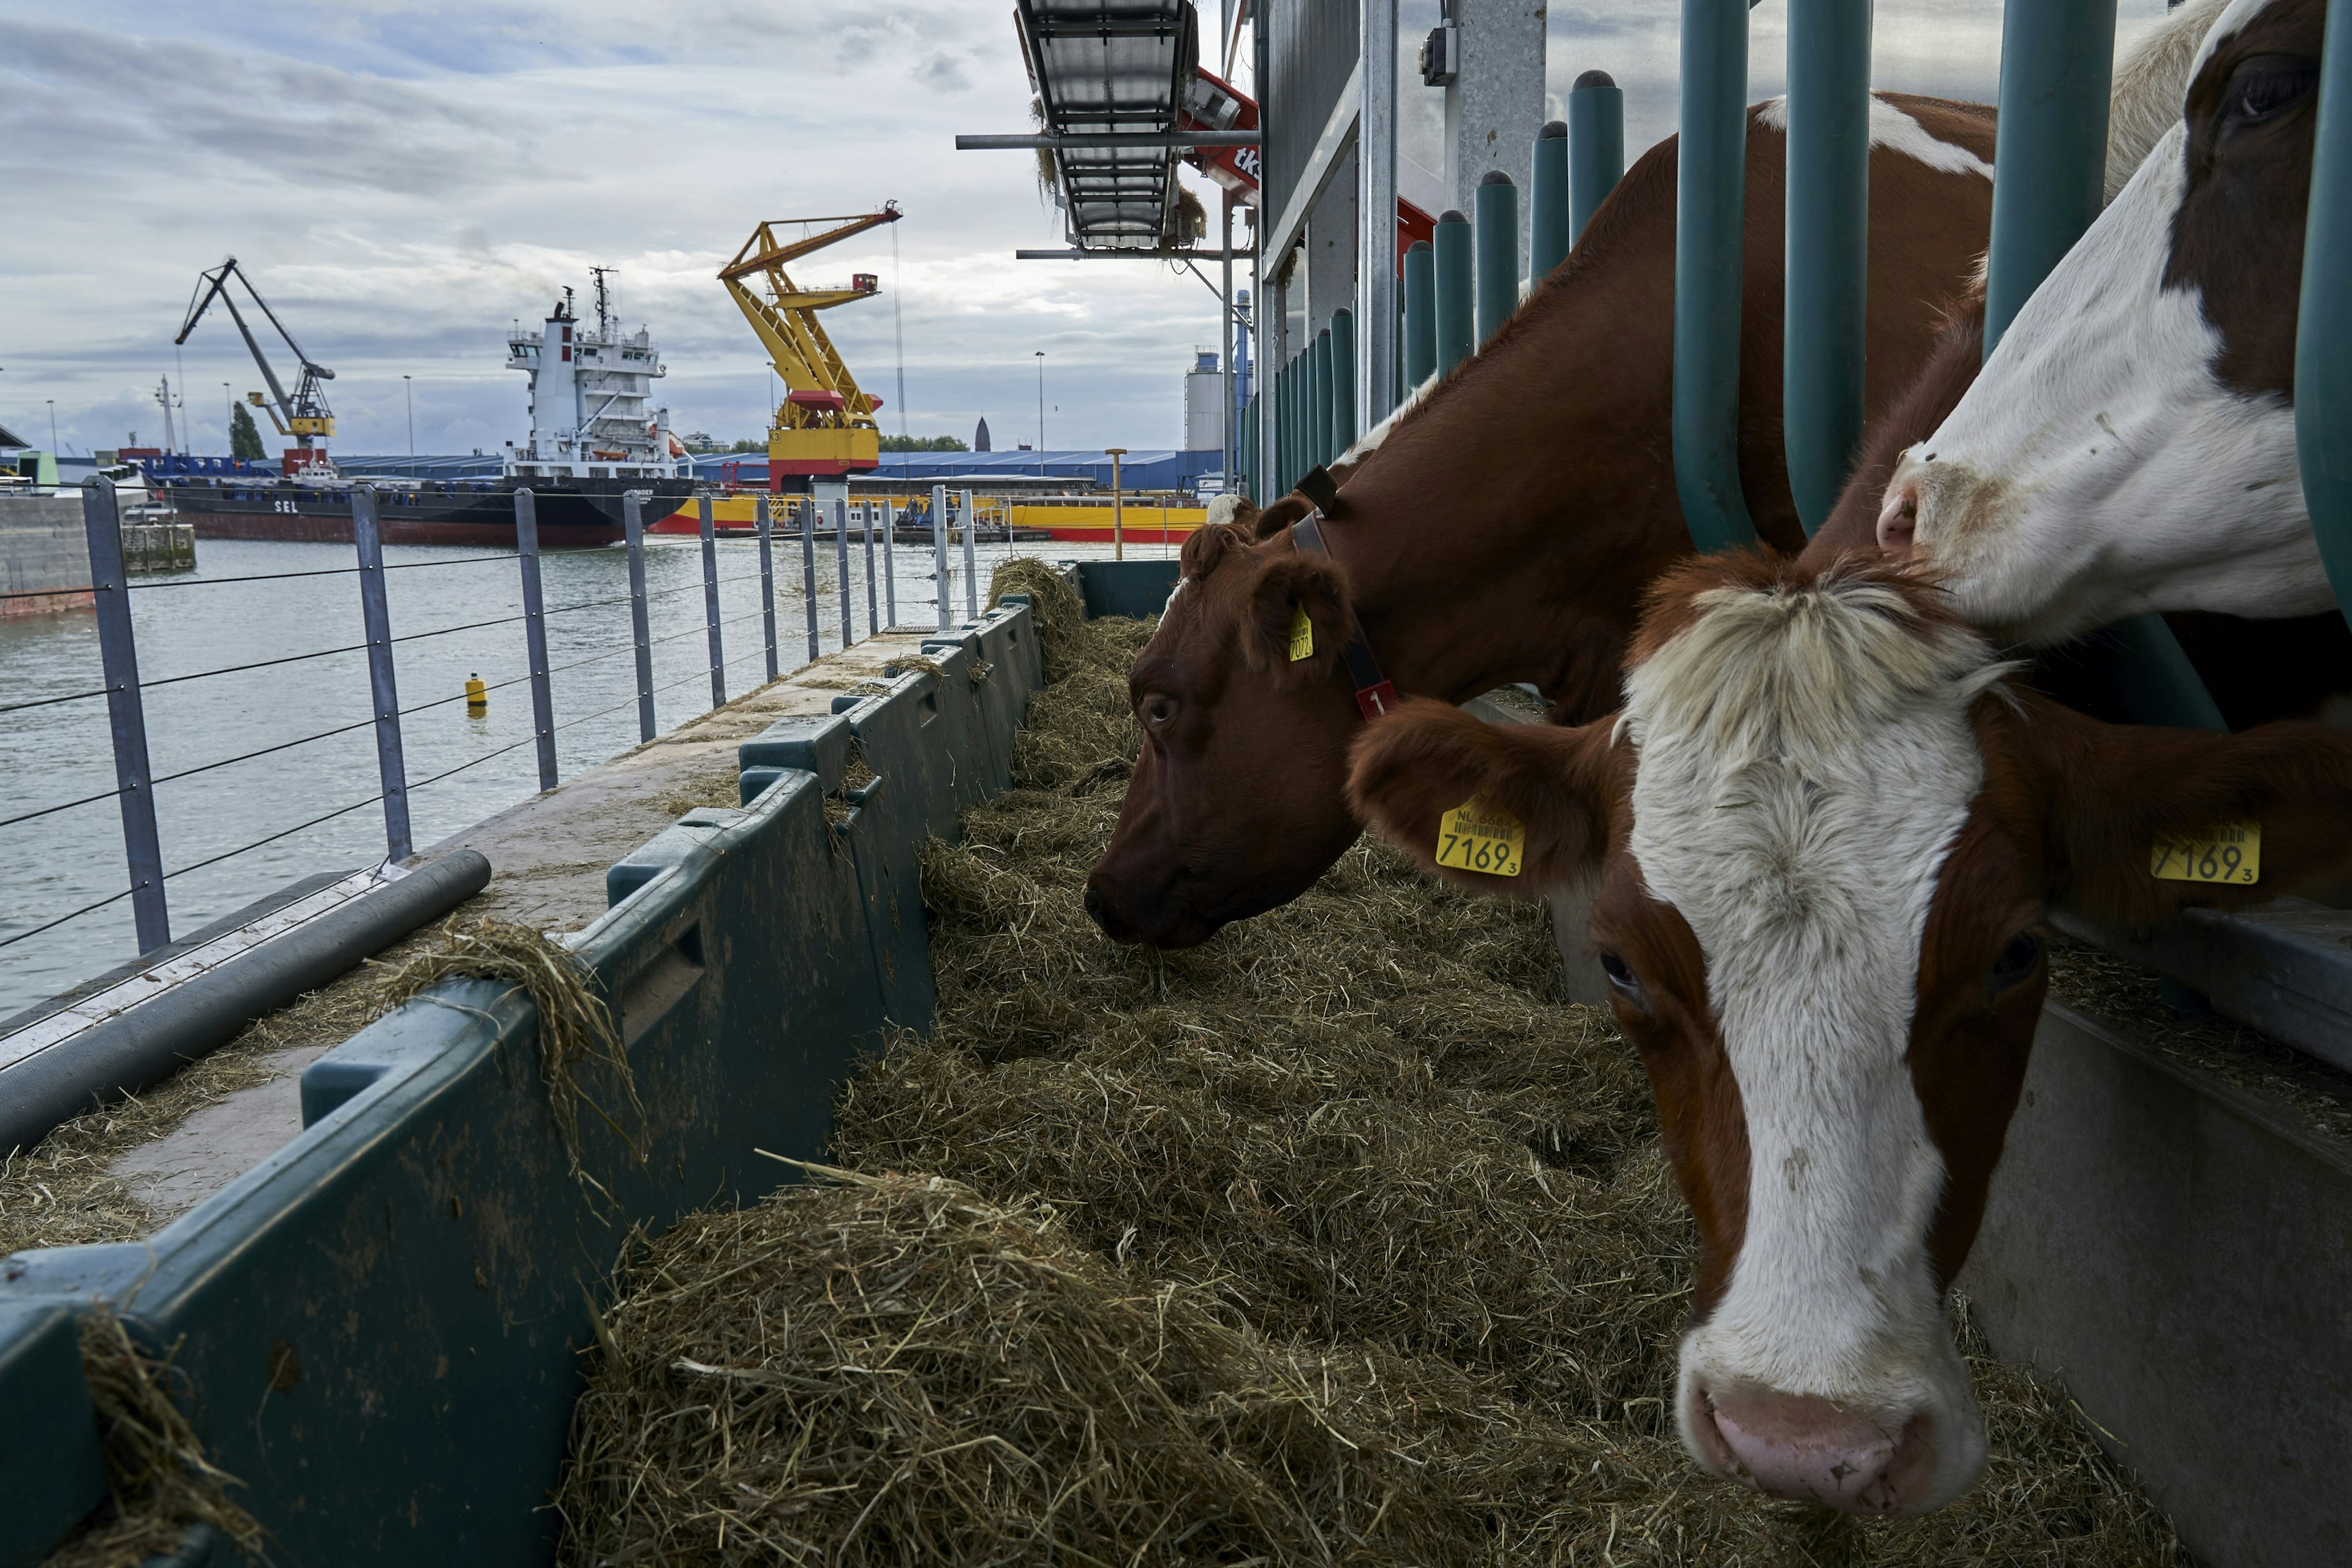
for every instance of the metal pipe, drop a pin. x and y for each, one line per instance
(2323, 337)
(1596, 146)
(633, 529)
(1828, 248)
(710, 604)
(1226, 420)
(806, 508)
(534, 634)
(890, 565)
(873, 611)
(1710, 195)
(940, 551)
(767, 584)
(1456, 309)
(1370, 396)
(392, 767)
(1195, 255)
(1497, 234)
(1550, 235)
(1343, 382)
(1326, 394)
(841, 564)
(126, 713)
(1420, 314)
(970, 571)
(1028, 142)
(2057, 70)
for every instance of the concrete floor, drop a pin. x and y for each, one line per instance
(548, 856)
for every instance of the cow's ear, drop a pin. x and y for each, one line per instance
(1295, 621)
(1205, 546)
(1278, 514)
(2268, 812)
(1425, 759)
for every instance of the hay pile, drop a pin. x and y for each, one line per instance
(1341, 1239)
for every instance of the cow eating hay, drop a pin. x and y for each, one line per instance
(1340, 1238)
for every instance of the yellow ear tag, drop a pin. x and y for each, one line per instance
(2229, 852)
(1477, 838)
(1302, 635)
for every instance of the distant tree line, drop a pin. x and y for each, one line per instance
(244, 440)
(924, 444)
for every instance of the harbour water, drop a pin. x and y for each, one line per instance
(309, 782)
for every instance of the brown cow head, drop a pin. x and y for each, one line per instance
(1218, 825)
(1827, 830)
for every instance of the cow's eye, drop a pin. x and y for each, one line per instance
(1622, 978)
(1158, 709)
(2269, 85)
(2018, 960)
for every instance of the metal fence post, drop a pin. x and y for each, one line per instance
(873, 614)
(633, 529)
(1420, 315)
(2323, 337)
(1548, 233)
(710, 604)
(1326, 394)
(534, 634)
(806, 507)
(940, 551)
(841, 559)
(1710, 196)
(890, 564)
(1343, 382)
(970, 571)
(1456, 314)
(767, 584)
(1828, 248)
(1596, 146)
(391, 766)
(126, 714)
(1497, 206)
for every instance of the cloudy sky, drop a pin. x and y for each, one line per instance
(404, 180)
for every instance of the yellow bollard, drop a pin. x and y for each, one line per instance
(476, 694)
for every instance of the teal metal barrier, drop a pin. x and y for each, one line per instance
(1549, 233)
(1342, 347)
(1497, 204)
(2050, 155)
(1709, 200)
(1828, 248)
(1596, 146)
(1319, 447)
(380, 1324)
(1420, 334)
(2323, 336)
(1456, 313)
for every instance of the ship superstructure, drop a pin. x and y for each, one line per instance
(591, 410)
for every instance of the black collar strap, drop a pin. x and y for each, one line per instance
(1375, 693)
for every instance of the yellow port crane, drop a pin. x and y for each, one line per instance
(304, 415)
(824, 426)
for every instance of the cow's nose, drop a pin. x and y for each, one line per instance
(1094, 903)
(1899, 519)
(1808, 1450)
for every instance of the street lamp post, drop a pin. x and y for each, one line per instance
(1041, 414)
(53, 429)
(1117, 532)
(408, 392)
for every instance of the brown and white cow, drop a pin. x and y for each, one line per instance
(1827, 829)
(2130, 445)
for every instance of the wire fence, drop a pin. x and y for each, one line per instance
(125, 688)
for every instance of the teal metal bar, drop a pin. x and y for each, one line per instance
(1711, 192)
(1456, 319)
(2323, 337)
(1343, 382)
(1828, 248)
(1420, 314)
(1596, 146)
(2050, 154)
(1326, 393)
(1497, 204)
(1549, 231)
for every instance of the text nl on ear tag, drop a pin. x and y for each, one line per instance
(2230, 852)
(1477, 838)
(1302, 635)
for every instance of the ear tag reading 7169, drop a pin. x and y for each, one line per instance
(1302, 635)
(2229, 852)
(1477, 838)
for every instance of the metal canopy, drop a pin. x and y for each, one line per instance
(1106, 69)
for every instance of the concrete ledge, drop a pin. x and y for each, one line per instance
(2179, 1252)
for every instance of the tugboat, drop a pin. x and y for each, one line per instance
(594, 436)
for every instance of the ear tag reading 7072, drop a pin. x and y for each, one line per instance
(2229, 852)
(1302, 635)
(1474, 836)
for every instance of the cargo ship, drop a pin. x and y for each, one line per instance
(594, 434)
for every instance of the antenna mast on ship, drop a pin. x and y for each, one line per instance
(604, 300)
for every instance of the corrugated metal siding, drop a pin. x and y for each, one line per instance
(1311, 47)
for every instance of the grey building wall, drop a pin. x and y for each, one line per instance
(1496, 105)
